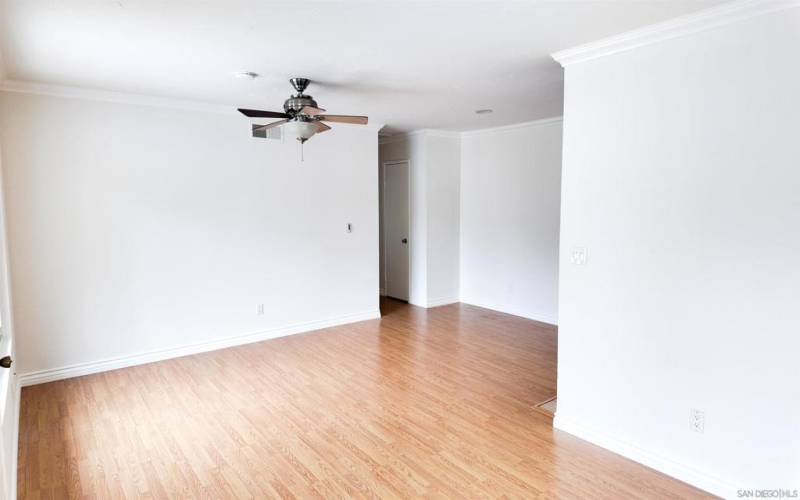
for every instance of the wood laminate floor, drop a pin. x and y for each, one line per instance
(435, 403)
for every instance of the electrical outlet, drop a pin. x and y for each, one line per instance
(579, 256)
(697, 420)
(261, 309)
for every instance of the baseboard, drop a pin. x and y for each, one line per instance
(541, 318)
(415, 302)
(441, 302)
(77, 370)
(664, 465)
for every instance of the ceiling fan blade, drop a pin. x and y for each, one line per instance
(358, 120)
(261, 128)
(312, 111)
(255, 113)
(321, 127)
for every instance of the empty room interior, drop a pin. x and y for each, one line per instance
(392, 249)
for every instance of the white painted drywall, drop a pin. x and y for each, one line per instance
(443, 165)
(681, 178)
(434, 158)
(135, 228)
(510, 203)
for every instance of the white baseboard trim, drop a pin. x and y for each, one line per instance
(667, 466)
(417, 299)
(77, 370)
(541, 318)
(441, 302)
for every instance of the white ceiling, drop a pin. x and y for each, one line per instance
(410, 65)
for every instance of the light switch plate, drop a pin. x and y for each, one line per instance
(579, 256)
(697, 420)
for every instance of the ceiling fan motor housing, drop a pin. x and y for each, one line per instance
(294, 104)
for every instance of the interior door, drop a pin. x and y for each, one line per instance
(395, 223)
(8, 386)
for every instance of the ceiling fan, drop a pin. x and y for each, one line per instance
(301, 117)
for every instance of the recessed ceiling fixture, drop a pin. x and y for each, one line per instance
(483, 111)
(246, 75)
(301, 118)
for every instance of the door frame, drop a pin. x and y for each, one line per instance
(13, 394)
(385, 286)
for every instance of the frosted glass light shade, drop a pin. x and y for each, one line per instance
(300, 130)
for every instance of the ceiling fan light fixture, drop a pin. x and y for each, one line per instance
(300, 129)
(301, 117)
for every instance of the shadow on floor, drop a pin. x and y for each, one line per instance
(389, 305)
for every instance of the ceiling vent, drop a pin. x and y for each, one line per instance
(270, 133)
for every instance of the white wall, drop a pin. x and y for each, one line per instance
(510, 202)
(443, 165)
(434, 226)
(135, 228)
(681, 178)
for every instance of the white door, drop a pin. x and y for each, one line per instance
(395, 224)
(8, 386)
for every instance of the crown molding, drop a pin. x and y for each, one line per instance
(431, 132)
(427, 132)
(114, 97)
(395, 138)
(515, 126)
(403, 136)
(127, 98)
(390, 139)
(162, 102)
(703, 20)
